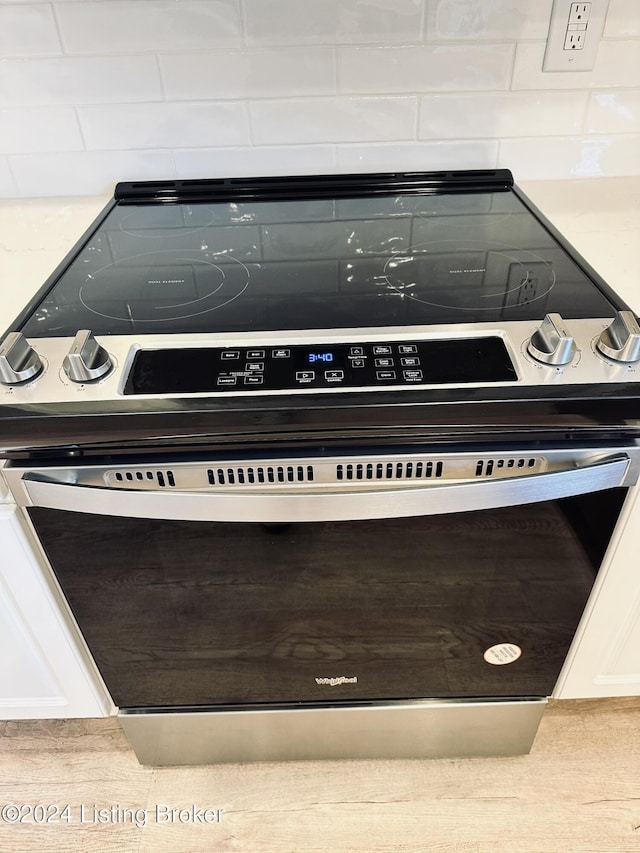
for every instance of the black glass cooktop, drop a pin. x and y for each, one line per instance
(313, 263)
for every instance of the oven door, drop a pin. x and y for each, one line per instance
(329, 605)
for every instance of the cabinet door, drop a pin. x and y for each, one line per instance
(44, 670)
(604, 659)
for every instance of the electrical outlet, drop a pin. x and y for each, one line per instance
(579, 13)
(574, 40)
(575, 31)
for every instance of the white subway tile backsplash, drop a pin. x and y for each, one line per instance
(92, 91)
(583, 157)
(332, 21)
(501, 115)
(617, 65)
(175, 125)
(618, 155)
(248, 74)
(123, 26)
(614, 112)
(31, 129)
(333, 120)
(488, 19)
(255, 161)
(28, 30)
(30, 82)
(430, 68)
(87, 172)
(623, 19)
(418, 156)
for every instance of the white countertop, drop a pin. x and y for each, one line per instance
(601, 217)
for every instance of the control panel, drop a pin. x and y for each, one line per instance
(538, 353)
(352, 365)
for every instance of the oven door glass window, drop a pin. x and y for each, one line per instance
(474, 604)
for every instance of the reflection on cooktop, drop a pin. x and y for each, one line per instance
(326, 263)
(470, 275)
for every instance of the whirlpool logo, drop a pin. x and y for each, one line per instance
(341, 679)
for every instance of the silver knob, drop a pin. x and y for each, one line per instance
(86, 360)
(621, 340)
(19, 362)
(551, 343)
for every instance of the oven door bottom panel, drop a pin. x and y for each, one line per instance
(398, 730)
(201, 614)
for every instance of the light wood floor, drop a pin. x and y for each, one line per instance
(577, 792)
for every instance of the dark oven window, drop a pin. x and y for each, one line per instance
(211, 614)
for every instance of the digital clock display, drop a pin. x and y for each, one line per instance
(323, 357)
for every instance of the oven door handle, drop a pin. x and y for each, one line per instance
(274, 507)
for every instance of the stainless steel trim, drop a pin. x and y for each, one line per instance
(429, 729)
(42, 488)
(356, 472)
(588, 366)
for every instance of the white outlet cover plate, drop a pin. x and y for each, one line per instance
(556, 58)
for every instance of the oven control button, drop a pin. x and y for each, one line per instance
(621, 340)
(86, 360)
(412, 375)
(334, 375)
(19, 362)
(551, 343)
(305, 375)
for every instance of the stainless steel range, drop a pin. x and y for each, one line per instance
(323, 466)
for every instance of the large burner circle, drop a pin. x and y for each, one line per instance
(157, 287)
(469, 275)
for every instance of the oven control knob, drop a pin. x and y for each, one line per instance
(19, 362)
(551, 343)
(86, 360)
(621, 340)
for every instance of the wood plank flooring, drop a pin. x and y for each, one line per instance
(577, 792)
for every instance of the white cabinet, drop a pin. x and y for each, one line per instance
(604, 659)
(45, 671)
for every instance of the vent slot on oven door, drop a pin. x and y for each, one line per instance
(364, 472)
(144, 477)
(252, 475)
(509, 466)
(400, 470)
